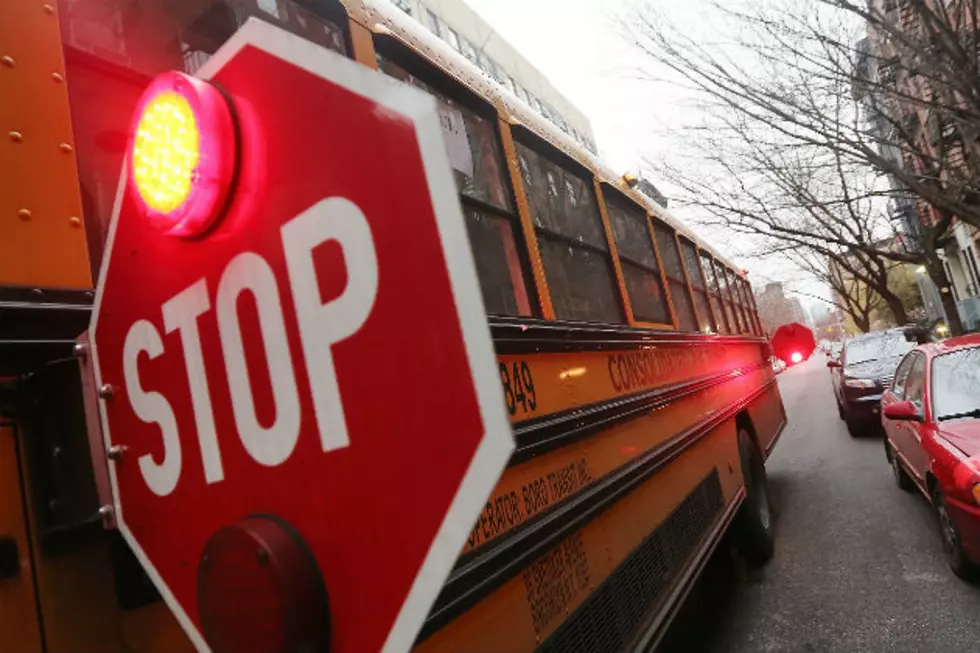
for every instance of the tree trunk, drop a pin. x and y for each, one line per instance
(862, 322)
(897, 308)
(937, 273)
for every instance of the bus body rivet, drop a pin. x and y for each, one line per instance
(7, 61)
(24, 214)
(16, 136)
(105, 391)
(75, 221)
(57, 77)
(66, 148)
(105, 511)
(116, 451)
(48, 9)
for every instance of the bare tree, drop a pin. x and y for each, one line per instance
(824, 115)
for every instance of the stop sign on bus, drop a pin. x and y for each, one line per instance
(300, 400)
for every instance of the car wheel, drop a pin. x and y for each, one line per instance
(955, 556)
(902, 478)
(753, 527)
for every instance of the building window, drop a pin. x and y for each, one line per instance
(432, 22)
(509, 82)
(270, 7)
(572, 240)
(404, 5)
(521, 93)
(453, 38)
(680, 293)
(638, 260)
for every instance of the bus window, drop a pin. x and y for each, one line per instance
(705, 314)
(474, 151)
(674, 271)
(724, 292)
(749, 299)
(738, 305)
(571, 238)
(641, 273)
(113, 48)
(722, 316)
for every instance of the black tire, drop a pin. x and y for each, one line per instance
(753, 528)
(956, 558)
(902, 478)
(840, 411)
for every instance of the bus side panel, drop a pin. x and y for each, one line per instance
(768, 418)
(19, 628)
(42, 242)
(532, 606)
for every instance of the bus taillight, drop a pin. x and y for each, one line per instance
(182, 158)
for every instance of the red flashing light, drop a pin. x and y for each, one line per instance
(182, 156)
(259, 590)
(796, 357)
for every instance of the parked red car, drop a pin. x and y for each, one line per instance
(931, 417)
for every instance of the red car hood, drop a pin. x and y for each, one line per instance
(964, 434)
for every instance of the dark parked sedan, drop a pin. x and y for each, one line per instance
(865, 368)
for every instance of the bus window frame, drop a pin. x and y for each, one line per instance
(601, 188)
(714, 289)
(555, 156)
(712, 321)
(727, 297)
(733, 289)
(430, 73)
(670, 232)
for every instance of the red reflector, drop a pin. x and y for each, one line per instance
(182, 154)
(259, 590)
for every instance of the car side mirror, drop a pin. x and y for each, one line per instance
(903, 411)
(833, 363)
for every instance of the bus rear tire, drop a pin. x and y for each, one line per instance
(753, 527)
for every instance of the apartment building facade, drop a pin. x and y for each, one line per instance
(465, 31)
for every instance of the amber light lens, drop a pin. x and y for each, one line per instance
(183, 154)
(166, 152)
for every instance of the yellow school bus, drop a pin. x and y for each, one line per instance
(631, 356)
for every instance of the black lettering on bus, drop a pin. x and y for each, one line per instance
(552, 582)
(518, 387)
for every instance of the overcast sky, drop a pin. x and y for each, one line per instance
(581, 47)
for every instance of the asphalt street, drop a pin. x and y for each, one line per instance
(858, 564)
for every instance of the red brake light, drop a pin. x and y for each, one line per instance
(796, 357)
(182, 157)
(259, 590)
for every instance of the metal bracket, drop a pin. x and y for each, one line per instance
(93, 424)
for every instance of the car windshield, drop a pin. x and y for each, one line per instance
(871, 349)
(956, 383)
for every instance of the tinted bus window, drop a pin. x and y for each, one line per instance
(705, 315)
(726, 298)
(680, 295)
(571, 239)
(475, 155)
(740, 313)
(638, 260)
(714, 296)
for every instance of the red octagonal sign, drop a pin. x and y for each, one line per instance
(301, 405)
